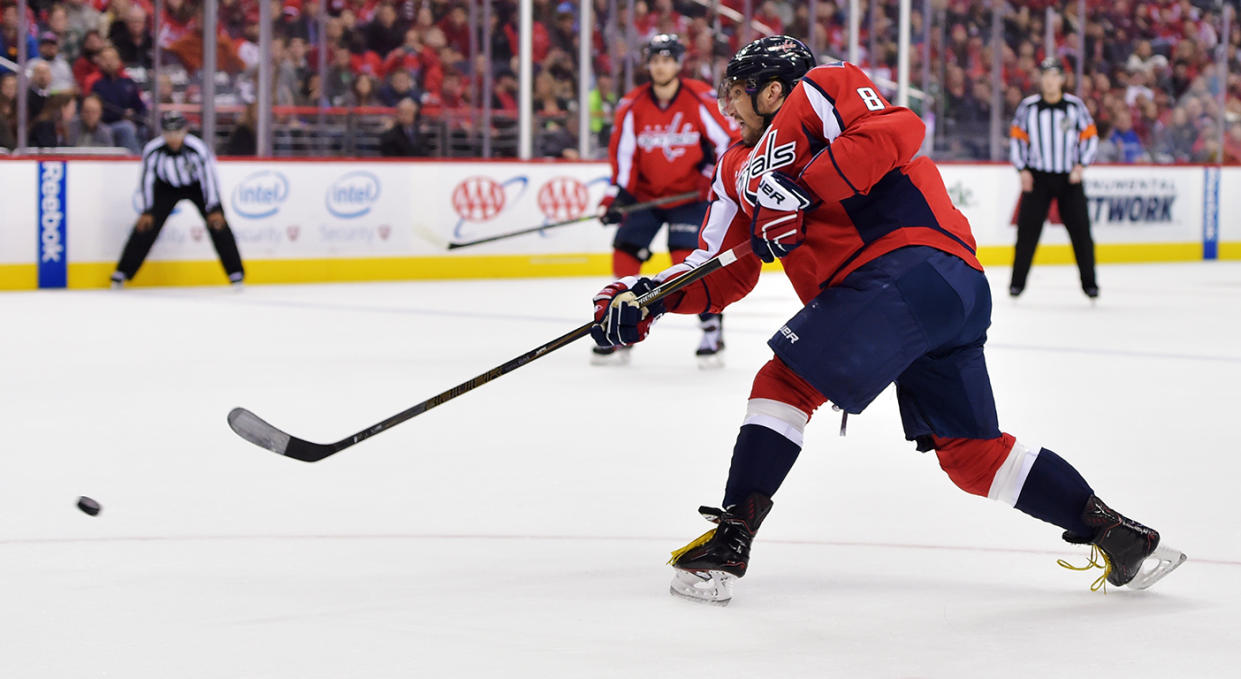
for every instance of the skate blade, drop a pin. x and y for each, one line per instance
(712, 587)
(711, 361)
(1162, 561)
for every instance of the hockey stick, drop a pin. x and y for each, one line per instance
(624, 210)
(254, 429)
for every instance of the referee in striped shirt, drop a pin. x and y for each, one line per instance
(178, 166)
(1052, 140)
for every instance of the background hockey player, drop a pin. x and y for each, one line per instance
(178, 166)
(826, 180)
(667, 136)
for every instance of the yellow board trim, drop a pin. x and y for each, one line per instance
(1105, 253)
(85, 275)
(19, 277)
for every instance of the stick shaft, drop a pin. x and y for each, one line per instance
(720, 261)
(259, 432)
(623, 210)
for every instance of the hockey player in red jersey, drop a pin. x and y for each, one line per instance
(826, 181)
(667, 136)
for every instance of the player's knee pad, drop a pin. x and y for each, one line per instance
(638, 252)
(975, 464)
(775, 381)
(782, 418)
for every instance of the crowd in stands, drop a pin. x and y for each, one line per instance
(1151, 78)
(1151, 75)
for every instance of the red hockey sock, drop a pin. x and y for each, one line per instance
(776, 381)
(972, 463)
(625, 264)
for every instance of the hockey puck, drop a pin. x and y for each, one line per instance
(88, 505)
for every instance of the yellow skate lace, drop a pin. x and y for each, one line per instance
(1097, 559)
(697, 542)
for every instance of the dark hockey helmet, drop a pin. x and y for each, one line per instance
(667, 44)
(173, 121)
(777, 58)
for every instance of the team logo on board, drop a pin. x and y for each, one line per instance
(478, 198)
(53, 270)
(260, 194)
(353, 194)
(562, 198)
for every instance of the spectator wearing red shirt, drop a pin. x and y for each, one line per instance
(432, 67)
(770, 16)
(85, 70)
(407, 57)
(451, 94)
(365, 10)
(176, 23)
(363, 60)
(643, 21)
(456, 28)
(291, 23)
(504, 91)
(540, 43)
(1232, 145)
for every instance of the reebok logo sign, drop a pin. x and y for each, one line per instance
(789, 334)
(53, 264)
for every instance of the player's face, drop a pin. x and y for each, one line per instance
(174, 139)
(1052, 82)
(736, 104)
(663, 68)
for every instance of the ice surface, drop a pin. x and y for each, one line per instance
(521, 529)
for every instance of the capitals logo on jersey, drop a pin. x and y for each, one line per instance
(674, 139)
(767, 156)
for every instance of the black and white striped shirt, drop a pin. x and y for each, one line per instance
(1052, 137)
(192, 165)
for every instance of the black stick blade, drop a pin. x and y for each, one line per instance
(258, 431)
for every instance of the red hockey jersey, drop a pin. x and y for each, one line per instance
(658, 152)
(845, 143)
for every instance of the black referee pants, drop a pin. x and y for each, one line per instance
(166, 198)
(1033, 212)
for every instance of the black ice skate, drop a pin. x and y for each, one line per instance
(1124, 546)
(711, 349)
(707, 567)
(609, 355)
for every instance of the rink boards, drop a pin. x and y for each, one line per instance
(65, 220)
